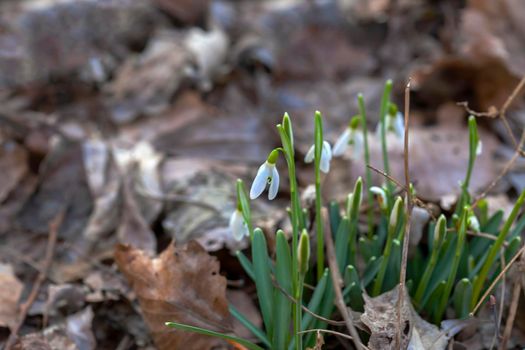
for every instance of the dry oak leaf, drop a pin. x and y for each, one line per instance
(182, 285)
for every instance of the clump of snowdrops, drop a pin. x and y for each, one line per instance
(451, 272)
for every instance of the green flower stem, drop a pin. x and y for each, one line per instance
(473, 143)
(244, 202)
(286, 135)
(368, 172)
(436, 247)
(445, 296)
(385, 99)
(378, 284)
(493, 252)
(318, 200)
(298, 310)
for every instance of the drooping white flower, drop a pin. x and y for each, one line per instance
(238, 226)
(394, 123)
(473, 223)
(381, 196)
(326, 157)
(398, 125)
(350, 137)
(479, 148)
(267, 174)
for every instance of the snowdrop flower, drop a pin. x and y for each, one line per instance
(326, 156)
(479, 148)
(267, 174)
(381, 196)
(395, 122)
(353, 136)
(473, 223)
(238, 226)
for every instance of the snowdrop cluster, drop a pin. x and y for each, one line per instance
(267, 176)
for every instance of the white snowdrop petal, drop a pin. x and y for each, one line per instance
(324, 165)
(399, 125)
(274, 185)
(358, 146)
(310, 155)
(237, 225)
(342, 143)
(327, 150)
(479, 148)
(259, 183)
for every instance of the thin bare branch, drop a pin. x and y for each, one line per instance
(516, 292)
(48, 259)
(496, 280)
(503, 172)
(337, 282)
(409, 206)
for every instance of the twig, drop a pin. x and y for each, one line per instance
(415, 200)
(337, 282)
(498, 314)
(496, 280)
(493, 112)
(307, 310)
(48, 259)
(516, 291)
(503, 172)
(494, 319)
(479, 234)
(410, 206)
(380, 172)
(331, 332)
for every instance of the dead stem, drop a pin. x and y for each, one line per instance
(337, 282)
(496, 280)
(409, 206)
(415, 200)
(504, 171)
(46, 264)
(502, 113)
(307, 310)
(516, 292)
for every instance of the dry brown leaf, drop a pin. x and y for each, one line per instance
(144, 84)
(182, 285)
(13, 165)
(51, 339)
(185, 11)
(244, 303)
(381, 317)
(10, 291)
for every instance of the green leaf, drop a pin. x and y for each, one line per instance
(341, 243)
(335, 217)
(243, 342)
(314, 305)
(282, 305)
(372, 267)
(263, 281)
(249, 325)
(462, 296)
(353, 295)
(455, 263)
(479, 245)
(246, 264)
(353, 284)
(480, 281)
(244, 201)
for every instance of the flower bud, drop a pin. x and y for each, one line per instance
(440, 230)
(395, 214)
(303, 252)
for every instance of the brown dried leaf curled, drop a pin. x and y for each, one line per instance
(182, 285)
